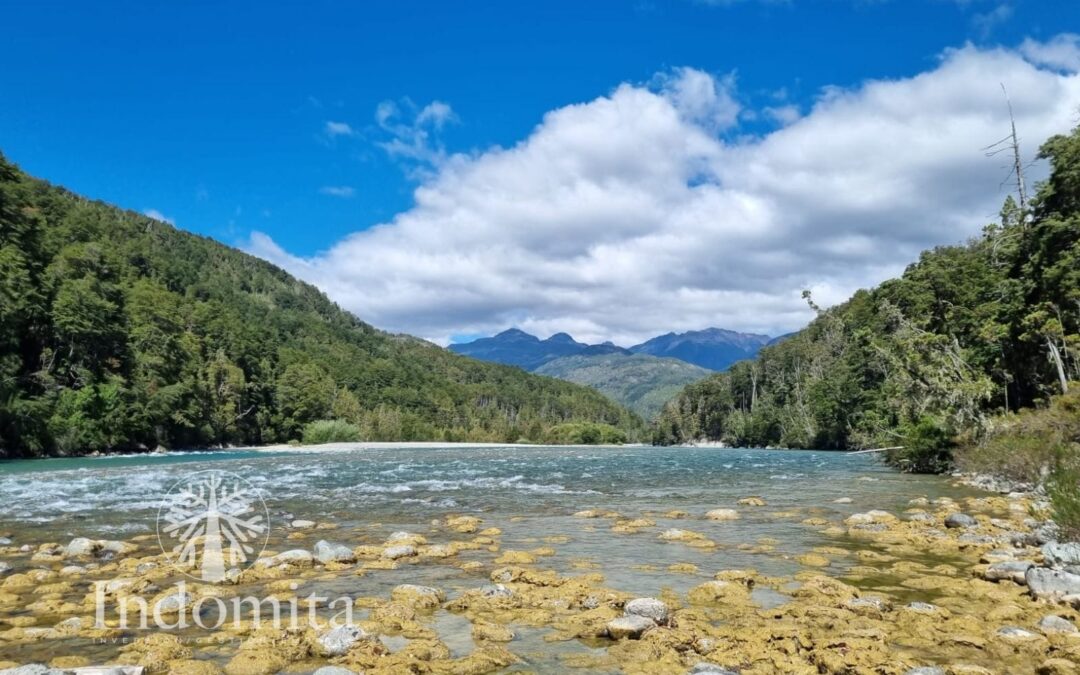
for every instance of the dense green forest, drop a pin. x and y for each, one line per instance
(929, 361)
(119, 332)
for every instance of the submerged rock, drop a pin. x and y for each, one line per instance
(402, 551)
(722, 514)
(327, 552)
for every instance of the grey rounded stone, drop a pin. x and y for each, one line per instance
(395, 552)
(1061, 555)
(1056, 624)
(960, 520)
(1047, 584)
(334, 670)
(629, 627)
(650, 608)
(711, 669)
(1008, 571)
(926, 670)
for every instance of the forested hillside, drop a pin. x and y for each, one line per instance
(923, 361)
(120, 332)
(641, 382)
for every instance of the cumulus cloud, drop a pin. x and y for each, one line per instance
(158, 215)
(635, 213)
(343, 191)
(1062, 52)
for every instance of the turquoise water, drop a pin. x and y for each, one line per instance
(531, 494)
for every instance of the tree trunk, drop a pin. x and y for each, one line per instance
(1055, 356)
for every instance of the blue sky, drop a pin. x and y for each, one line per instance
(214, 113)
(239, 118)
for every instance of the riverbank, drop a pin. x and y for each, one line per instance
(478, 561)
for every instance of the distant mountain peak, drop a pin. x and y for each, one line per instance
(712, 348)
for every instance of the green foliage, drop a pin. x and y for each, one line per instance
(119, 332)
(1063, 488)
(585, 434)
(924, 361)
(330, 431)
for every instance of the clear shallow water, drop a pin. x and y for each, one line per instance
(530, 493)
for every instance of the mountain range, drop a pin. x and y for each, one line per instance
(713, 348)
(643, 377)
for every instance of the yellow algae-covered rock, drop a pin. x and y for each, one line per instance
(515, 558)
(813, 560)
(463, 524)
(683, 568)
(422, 597)
(676, 534)
(676, 514)
(717, 591)
(193, 667)
(632, 526)
(752, 501)
(596, 513)
(155, 651)
(870, 517)
(492, 632)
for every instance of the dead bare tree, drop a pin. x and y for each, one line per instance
(1012, 143)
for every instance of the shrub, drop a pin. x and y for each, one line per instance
(330, 431)
(1030, 445)
(927, 447)
(1063, 487)
(584, 433)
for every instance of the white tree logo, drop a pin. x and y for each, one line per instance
(218, 520)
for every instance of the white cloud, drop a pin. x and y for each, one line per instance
(632, 215)
(412, 131)
(335, 129)
(1062, 52)
(158, 215)
(785, 114)
(343, 191)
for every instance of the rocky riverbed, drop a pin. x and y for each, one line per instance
(964, 586)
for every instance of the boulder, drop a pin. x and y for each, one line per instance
(1058, 555)
(81, 547)
(327, 552)
(1047, 584)
(1056, 624)
(334, 670)
(629, 627)
(960, 521)
(1014, 570)
(302, 524)
(925, 670)
(32, 669)
(650, 608)
(4, 568)
(337, 641)
(751, 501)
